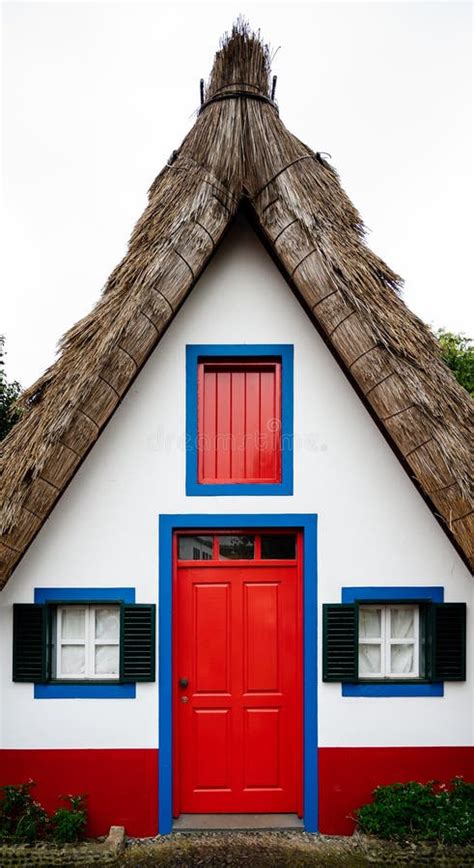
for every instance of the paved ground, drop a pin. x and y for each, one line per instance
(283, 850)
(288, 849)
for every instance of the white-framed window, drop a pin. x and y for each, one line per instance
(87, 642)
(389, 641)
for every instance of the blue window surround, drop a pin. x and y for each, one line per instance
(84, 691)
(193, 353)
(434, 594)
(306, 522)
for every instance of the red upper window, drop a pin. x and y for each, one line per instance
(239, 421)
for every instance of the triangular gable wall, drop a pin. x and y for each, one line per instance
(239, 150)
(107, 523)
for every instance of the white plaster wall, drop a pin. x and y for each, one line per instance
(374, 529)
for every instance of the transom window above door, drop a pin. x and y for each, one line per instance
(239, 419)
(237, 547)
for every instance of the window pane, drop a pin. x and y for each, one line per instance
(236, 548)
(107, 624)
(279, 546)
(402, 659)
(402, 623)
(73, 623)
(73, 660)
(369, 659)
(370, 623)
(195, 548)
(106, 659)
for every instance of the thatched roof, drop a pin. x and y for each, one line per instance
(240, 151)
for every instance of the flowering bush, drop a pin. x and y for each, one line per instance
(24, 820)
(69, 823)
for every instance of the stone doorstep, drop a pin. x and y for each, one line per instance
(236, 822)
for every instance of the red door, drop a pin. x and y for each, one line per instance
(237, 673)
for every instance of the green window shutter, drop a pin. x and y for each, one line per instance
(448, 642)
(340, 642)
(29, 642)
(137, 647)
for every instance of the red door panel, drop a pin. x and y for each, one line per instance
(210, 618)
(260, 651)
(238, 721)
(262, 748)
(211, 768)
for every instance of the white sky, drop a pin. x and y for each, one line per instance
(97, 95)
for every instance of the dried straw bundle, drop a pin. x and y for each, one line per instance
(238, 149)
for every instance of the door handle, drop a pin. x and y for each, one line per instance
(183, 682)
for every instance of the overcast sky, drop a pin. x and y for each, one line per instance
(97, 95)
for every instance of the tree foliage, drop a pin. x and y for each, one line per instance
(8, 394)
(458, 353)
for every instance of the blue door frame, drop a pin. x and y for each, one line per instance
(167, 525)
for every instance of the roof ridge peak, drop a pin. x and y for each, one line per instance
(242, 61)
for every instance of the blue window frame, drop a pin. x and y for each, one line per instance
(308, 524)
(432, 594)
(84, 691)
(196, 351)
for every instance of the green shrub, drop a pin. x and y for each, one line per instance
(22, 819)
(68, 824)
(429, 812)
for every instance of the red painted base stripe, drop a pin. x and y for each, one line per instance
(122, 785)
(347, 776)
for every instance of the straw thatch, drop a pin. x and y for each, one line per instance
(239, 150)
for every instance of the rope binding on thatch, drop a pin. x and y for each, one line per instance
(238, 94)
(280, 172)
